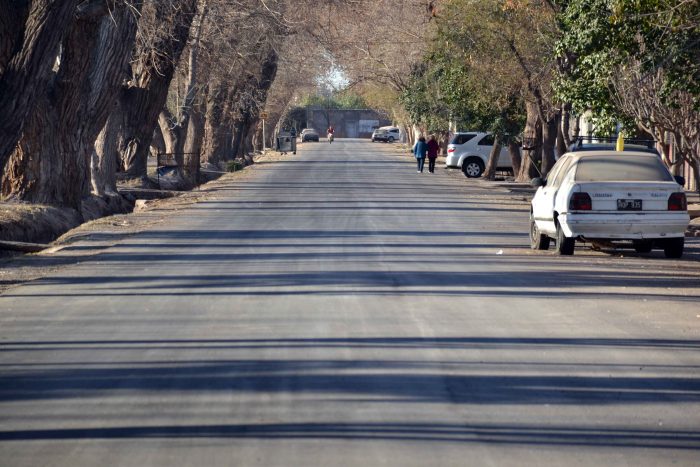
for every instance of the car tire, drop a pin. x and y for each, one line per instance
(538, 241)
(473, 167)
(565, 245)
(391, 139)
(642, 246)
(673, 247)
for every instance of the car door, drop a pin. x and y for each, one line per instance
(543, 202)
(485, 146)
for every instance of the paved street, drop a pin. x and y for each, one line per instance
(341, 309)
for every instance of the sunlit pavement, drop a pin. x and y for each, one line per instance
(341, 309)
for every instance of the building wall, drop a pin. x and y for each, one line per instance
(348, 123)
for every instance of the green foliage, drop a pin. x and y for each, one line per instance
(602, 36)
(342, 100)
(235, 165)
(463, 77)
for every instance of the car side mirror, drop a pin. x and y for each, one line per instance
(538, 182)
(680, 180)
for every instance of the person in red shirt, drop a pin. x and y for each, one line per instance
(433, 149)
(331, 130)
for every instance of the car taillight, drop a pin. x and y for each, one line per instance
(580, 202)
(450, 149)
(677, 202)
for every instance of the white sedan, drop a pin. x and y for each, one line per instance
(609, 196)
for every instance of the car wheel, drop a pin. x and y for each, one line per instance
(565, 245)
(538, 241)
(673, 247)
(473, 167)
(391, 139)
(642, 246)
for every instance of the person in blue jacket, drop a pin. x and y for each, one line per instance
(420, 150)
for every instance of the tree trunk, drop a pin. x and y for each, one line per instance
(193, 146)
(239, 135)
(175, 128)
(257, 89)
(549, 139)
(105, 157)
(152, 74)
(532, 143)
(52, 162)
(215, 132)
(157, 143)
(515, 158)
(565, 129)
(492, 164)
(30, 35)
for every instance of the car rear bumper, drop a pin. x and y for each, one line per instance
(625, 226)
(452, 160)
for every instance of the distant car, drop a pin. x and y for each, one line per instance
(388, 134)
(470, 152)
(609, 196)
(309, 134)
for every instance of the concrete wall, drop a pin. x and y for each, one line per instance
(350, 123)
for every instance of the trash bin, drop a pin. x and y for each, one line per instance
(286, 143)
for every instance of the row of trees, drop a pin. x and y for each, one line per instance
(90, 88)
(523, 68)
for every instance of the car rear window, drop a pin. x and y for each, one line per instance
(462, 138)
(622, 168)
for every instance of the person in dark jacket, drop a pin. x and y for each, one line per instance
(433, 149)
(420, 150)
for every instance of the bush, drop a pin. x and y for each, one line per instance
(235, 165)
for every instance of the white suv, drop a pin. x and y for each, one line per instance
(470, 152)
(388, 134)
(609, 196)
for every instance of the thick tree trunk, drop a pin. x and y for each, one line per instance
(492, 164)
(175, 128)
(515, 157)
(52, 162)
(258, 88)
(239, 135)
(549, 139)
(215, 133)
(105, 158)
(30, 35)
(152, 74)
(532, 144)
(193, 146)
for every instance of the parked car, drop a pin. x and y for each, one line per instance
(610, 197)
(388, 134)
(609, 144)
(309, 134)
(470, 152)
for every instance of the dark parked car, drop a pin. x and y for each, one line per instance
(309, 134)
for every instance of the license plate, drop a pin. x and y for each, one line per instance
(629, 204)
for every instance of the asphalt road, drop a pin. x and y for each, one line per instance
(341, 309)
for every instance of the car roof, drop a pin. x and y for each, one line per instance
(611, 147)
(599, 153)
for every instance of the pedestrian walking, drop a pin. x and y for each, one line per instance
(420, 150)
(433, 149)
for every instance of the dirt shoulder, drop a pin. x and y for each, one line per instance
(100, 234)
